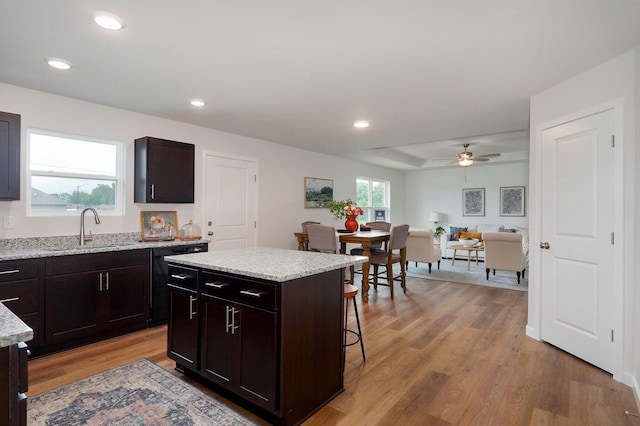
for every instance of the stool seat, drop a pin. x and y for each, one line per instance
(350, 290)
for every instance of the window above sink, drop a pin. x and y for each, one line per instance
(68, 173)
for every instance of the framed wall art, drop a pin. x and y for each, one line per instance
(512, 201)
(317, 192)
(159, 226)
(473, 202)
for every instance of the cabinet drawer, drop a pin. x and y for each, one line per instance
(14, 270)
(20, 296)
(73, 264)
(254, 293)
(182, 277)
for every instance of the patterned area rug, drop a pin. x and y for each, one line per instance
(476, 275)
(140, 393)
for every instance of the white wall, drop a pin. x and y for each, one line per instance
(281, 169)
(613, 82)
(441, 190)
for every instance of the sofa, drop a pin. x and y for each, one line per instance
(451, 235)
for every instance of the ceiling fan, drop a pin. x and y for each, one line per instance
(466, 158)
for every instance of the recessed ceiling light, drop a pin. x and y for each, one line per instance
(108, 21)
(197, 102)
(58, 63)
(361, 124)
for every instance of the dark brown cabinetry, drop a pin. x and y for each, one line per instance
(13, 385)
(95, 295)
(239, 341)
(9, 156)
(20, 292)
(164, 171)
(275, 345)
(183, 329)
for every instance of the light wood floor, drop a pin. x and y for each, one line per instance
(444, 353)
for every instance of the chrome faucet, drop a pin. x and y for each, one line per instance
(89, 237)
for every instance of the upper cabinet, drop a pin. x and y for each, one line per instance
(9, 156)
(164, 171)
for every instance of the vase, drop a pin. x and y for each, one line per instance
(351, 223)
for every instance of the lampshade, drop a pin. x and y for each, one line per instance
(435, 216)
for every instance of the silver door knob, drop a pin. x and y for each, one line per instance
(210, 233)
(544, 245)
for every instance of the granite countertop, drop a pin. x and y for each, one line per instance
(30, 248)
(12, 329)
(267, 263)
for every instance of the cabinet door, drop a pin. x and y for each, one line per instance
(182, 344)
(218, 345)
(128, 290)
(9, 156)
(258, 357)
(71, 306)
(164, 171)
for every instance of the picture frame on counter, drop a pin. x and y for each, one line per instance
(159, 225)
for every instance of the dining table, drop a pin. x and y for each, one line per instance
(364, 238)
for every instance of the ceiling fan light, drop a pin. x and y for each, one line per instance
(361, 124)
(465, 162)
(197, 102)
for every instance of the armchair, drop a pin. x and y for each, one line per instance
(503, 250)
(420, 248)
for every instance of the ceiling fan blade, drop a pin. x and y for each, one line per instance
(497, 154)
(481, 159)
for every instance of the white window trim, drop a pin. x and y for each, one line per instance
(119, 177)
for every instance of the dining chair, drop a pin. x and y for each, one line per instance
(378, 226)
(322, 238)
(396, 252)
(308, 222)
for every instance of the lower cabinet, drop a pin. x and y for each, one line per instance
(93, 294)
(183, 329)
(13, 384)
(239, 349)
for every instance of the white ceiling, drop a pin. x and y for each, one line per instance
(428, 74)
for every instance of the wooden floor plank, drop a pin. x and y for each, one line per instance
(443, 354)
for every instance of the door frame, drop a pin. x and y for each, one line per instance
(534, 325)
(207, 153)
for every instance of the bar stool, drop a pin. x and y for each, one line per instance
(350, 292)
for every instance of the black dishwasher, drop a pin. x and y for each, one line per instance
(158, 304)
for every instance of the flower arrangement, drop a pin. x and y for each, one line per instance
(352, 210)
(343, 209)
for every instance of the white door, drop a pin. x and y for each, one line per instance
(230, 202)
(577, 223)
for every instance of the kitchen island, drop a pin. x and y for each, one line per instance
(262, 326)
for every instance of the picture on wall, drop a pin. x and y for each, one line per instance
(473, 202)
(317, 192)
(512, 201)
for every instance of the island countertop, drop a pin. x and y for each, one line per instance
(12, 329)
(268, 263)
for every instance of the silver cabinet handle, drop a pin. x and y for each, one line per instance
(192, 313)
(100, 281)
(214, 285)
(230, 320)
(12, 299)
(226, 319)
(107, 279)
(153, 191)
(10, 271)
(234, 327)
(179, 277)
(250, 293)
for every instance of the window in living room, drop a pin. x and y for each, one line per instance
(67, 174)
(373, 196)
